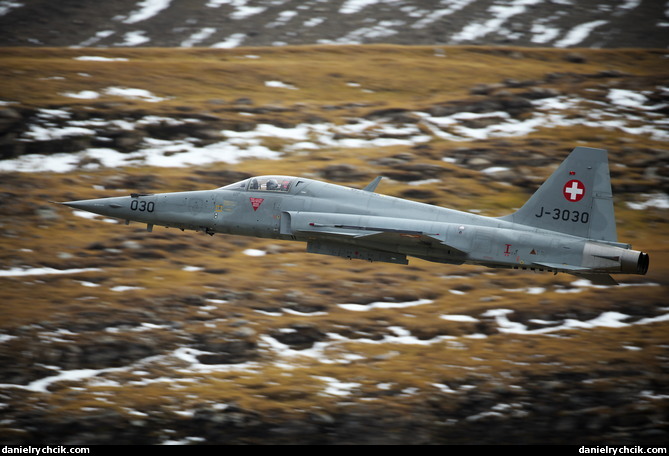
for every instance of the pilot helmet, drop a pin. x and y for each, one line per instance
(272, 184)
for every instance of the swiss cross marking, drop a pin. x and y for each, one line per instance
(574, 190)
(256, 202)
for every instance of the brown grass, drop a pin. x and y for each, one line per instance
(404, 77)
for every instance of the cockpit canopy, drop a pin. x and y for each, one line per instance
(263, 184)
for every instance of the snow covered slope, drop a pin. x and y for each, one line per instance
(232, 23)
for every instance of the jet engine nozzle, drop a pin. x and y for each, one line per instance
(634, 262)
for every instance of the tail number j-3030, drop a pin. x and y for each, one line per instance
(564, 214)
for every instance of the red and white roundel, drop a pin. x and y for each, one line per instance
(574, 190)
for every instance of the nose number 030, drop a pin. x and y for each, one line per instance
(142, 206)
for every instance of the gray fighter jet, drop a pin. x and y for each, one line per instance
(568, 225)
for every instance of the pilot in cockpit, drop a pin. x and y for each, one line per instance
(272, 184)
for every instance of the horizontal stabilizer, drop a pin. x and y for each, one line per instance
(562, 267)
(599, 279)
(579, 271)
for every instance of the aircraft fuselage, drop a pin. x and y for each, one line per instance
(362, 224)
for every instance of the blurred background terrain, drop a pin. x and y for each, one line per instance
(111, 334)
(233, 23)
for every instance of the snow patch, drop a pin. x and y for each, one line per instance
(384, 305)
(82, 95)
(241, 10)
(91, 216)
(606, 319)
(579, 33)
(134, 38)
(314, 22)
(459, 318)
(234, 40)
(279, 85)
(543, 34)
(147, 9)
(6, 6)
(500, 13)
(659, 201)
(52, 124)
(133, 94)
(335, 387)
(433, 16)
(198, 37)
(22, 272)
(254, 252)
(122, 288)
(355, 6)
(95, 58)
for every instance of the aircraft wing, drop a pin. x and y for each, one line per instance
(377, 231)
(579, 271)
(412, 238)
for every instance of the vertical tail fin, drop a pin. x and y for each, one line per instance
(576, 199)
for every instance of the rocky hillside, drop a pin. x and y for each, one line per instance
(233, 23)
(111, 334)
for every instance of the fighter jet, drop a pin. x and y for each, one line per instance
(567, 225)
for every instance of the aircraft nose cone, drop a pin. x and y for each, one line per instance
(86, 205)
(76, 204)
(102, 206)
